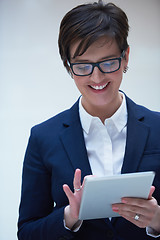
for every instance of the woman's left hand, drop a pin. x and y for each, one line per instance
(141, 212)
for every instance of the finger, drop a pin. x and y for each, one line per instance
(135, 202)
(147, 213)
(129, 215)
(77, 179)
(129, 210)
(67, 191)
(140, 222)
(151, 192)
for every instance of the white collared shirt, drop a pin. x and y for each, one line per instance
(105, 143)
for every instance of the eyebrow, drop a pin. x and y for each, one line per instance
(101, 59)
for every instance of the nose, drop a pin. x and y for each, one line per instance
(97, 76)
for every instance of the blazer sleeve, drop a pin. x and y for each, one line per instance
(38, 218)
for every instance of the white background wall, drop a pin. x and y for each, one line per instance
(34, 85)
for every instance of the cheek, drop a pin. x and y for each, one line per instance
(79, 81)
(76, 80)
(117, 77)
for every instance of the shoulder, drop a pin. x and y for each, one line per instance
(58, 122)
(151, 119)
(142, 112)
(143, 116)
(148, 112)
(150, 116)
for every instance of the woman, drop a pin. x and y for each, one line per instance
(104, 133)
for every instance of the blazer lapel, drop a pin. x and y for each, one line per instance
(137, 133)
(73, 142)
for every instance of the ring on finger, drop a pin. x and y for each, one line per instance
(136, 217)
(77, 189)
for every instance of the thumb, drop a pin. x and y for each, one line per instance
(151, 192)
(68, 192)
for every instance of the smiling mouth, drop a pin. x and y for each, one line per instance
(99, 87)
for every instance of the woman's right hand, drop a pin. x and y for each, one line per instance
(71, 212)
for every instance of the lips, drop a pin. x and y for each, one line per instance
(101, 87)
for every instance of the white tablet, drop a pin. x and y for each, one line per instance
(99, 193)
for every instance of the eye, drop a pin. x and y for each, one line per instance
(82, 67)
(108, 63)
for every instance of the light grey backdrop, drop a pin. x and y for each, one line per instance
(34, 85)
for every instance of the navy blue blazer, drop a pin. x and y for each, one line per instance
(55, 149)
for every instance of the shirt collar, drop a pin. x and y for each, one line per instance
(119, 118)
(85, 117)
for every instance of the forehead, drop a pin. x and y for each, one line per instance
(101, 48)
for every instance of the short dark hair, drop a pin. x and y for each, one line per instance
(87, 23)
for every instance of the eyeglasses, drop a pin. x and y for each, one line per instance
(106, 66)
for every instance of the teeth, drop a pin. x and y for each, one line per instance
(99, 87)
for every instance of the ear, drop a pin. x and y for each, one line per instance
(126, 60)
(127, 55)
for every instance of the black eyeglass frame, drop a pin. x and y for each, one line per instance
(97, 65)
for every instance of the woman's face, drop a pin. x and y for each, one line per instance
(100, 91)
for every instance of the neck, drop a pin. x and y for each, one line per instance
(106, 111)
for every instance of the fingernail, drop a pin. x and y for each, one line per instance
(115, 209)
(123, 200)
